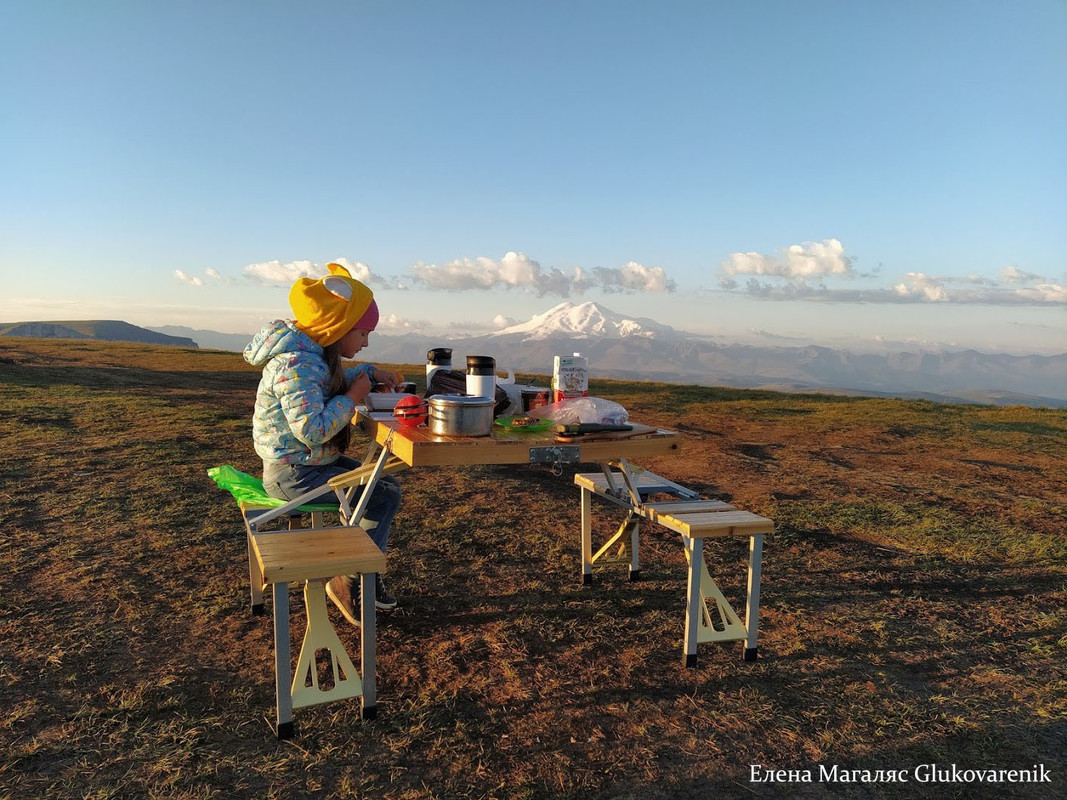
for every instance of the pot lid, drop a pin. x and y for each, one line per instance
(463, 400)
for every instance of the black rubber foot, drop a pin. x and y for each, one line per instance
(690, 660)
(635, 575)
(286, 730)
(369, 712)
(586, 580)
(750, 653)
(257, 610)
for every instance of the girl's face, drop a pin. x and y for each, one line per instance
(354, 341)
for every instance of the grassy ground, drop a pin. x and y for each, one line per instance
(913, 604)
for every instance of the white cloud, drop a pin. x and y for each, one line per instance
(764, 334)
(275, 273)
(1016, 275)
(478, 326)
(219, 278)
(1045, 293)
(921, 286)
(516, 270)
(470, 327)
(914, 287)
(460, 274)
(796, 262)
(631, 277)
(190, 279)
(397, 324)
(976, 280)
(357, 269)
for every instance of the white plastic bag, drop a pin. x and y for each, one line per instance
(514, 393)
(575, 410)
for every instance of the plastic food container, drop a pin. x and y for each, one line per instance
(460, 415)
(384, 401)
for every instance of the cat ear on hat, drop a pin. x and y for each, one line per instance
(337, 269)
(338, 286)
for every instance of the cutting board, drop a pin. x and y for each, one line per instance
(608, 436)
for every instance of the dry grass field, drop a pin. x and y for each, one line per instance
(913, 604)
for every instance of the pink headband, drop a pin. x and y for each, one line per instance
(369, 320)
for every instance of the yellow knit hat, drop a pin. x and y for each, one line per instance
(329, 308)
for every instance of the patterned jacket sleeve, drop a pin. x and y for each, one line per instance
(352, 372)
(313, 419)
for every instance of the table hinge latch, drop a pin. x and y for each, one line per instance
(555, 454)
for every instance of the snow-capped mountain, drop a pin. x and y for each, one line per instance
(619, 346)
(588, 321)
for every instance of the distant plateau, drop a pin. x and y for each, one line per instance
(625, 348)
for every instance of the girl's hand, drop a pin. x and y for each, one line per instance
(359, 388)
(388, 379)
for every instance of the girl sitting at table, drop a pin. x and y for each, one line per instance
(306, 401)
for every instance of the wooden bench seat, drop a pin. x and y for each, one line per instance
(708, 522)
(313, 556)
(309, 553)
(708, 615)
(646, 483)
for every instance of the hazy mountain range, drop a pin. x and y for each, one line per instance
(105, 330)
(619, 346)
(210, 340)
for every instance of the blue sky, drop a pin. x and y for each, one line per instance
(864, 172)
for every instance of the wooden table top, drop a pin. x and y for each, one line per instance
(417, 447)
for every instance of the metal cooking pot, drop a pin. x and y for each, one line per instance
(460, 415)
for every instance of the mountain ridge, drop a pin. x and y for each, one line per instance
(208, 339)
(663, 353)
(103, 330)
(620, 346)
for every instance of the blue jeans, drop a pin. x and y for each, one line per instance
(289, 481)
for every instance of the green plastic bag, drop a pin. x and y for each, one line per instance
(248, 488)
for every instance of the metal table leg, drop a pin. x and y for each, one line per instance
(587, 535)
(282, 677)
(353, 516)
(366, 636)
(755, 560)
(255, 577)
(694, 604)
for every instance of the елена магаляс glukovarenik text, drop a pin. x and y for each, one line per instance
(923, 773)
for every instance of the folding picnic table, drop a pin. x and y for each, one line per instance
(394, 447)
(418, 447)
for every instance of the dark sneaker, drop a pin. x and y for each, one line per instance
(339, 590)
(382, 598)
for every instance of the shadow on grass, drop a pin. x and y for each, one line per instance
(47, 418)
(112, 377)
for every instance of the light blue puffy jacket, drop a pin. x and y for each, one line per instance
(294, 420)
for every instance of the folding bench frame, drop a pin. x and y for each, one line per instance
(694, 520)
